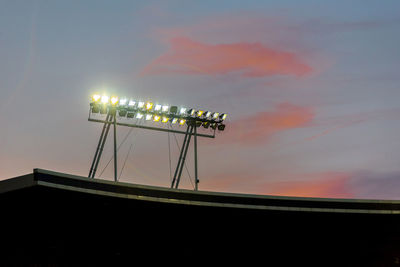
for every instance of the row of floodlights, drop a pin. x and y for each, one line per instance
(158, 113)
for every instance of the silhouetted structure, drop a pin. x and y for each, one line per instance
(53, 218)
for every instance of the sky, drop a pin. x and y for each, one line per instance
(311, 89)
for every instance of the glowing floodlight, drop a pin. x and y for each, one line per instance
(132, 103)
(104, 99)
(114, 100)
(157, 107)
(165, 119)
(182, 122)
(148, 117)
(182, 111)
(140, 104)
(156, 118)
(191, 112)
(139, 115)
(223, 116)
(215, 115)
(96, 98)
(123, 101)
(200, 113)
(165, 108)
(149, 105)
(174, 120)
(208, 114)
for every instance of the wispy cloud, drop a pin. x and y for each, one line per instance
(258, 128)
(187, 56)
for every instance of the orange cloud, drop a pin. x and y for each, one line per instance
(260, 127)
(187, 56)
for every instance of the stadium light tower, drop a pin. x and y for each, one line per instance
(112, 110)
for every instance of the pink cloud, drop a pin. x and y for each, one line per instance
(258, 128)
(187, 56)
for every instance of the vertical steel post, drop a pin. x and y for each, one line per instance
(180, 157)
(115, 146)
(196, 179)
(184, 157)
(102, 146)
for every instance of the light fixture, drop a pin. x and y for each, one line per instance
(130, 115)
(123, 101)
(114, 100)
(96, 98)
(208, 114)
(157, 107)
(173, 110)
(132, 103)
(200, 113)
(148, 117)
(123, 113)
(139, 115)
(165, 108)
(206, 124)
(221, 127)
(215, 115)
(165, 119)
(104, 99)
(214, 125)
(182, 111)
(156, 118)
(174, 120)
(182, 122)
(223, 116)
(140, 104)
(149, 105)
(191, 112)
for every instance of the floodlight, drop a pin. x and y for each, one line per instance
(174, 120)
(96, 98)
(95, 108)
(157, 107)
(156, 118)
(103, 109)
(223, 116)
(206, 124)
(165, 108)
(208, 114)
(221, 127)
(131, 115)
(149, 105)
(182, 121)
(122, 113)
(173, 110)
(182, 111)
(164, 119)
(148, 117)
(139, 115)
(132, 103)
(200, 113)
(214, 125)
(123, 101)
(191, 112)
(215, 115)
(104, 99)
(198, 123)
(114, 100)
(140, 104)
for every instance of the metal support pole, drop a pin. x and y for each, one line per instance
(115, 147)
(98, 148)
(180, 157)
(184, 157)
(196, 178)
(102, 147)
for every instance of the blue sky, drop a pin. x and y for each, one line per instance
(318, 116)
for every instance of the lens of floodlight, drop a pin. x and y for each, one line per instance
(215, 115)
(95, 108)
(191, 112)
(130, 115)
(208, 114)
(182, 121)
(156, 118)
(164, 108)
(164, 119)
(206, 124)
(214, 125)
(157, 107)
(123, 101)
(149, 105)
(198, 123)
(132, 103)
(122, 112)
(174, 120)
(182, 111)
(104, 99)
(223, 116)
(200, 113)
(96, 98)
(148, 117)
(139, 115)
(140, 104)
(221, 127)
(114, 100)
